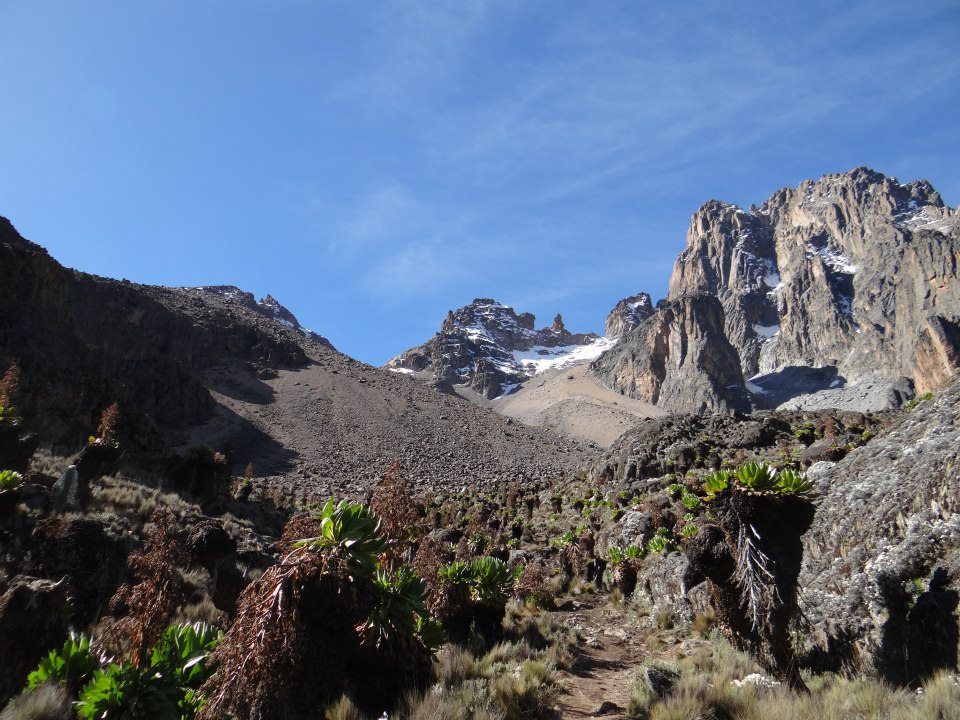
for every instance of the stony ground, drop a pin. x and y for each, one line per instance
(334, 425)
(611, 649)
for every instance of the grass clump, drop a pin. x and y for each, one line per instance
(514, 680)
(717, 681)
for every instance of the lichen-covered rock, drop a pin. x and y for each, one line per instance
(887, 517)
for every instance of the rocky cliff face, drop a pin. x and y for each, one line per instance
(842, 292)
(679, 359)
(854, 271)
(627, 314)
(491, 348)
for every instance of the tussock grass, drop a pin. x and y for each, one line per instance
(514, 680)
(127, 498)
(47, 702)
(343, 709)
(46, 462)
(705, 689)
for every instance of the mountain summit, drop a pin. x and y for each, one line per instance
(490, 348)
(849, 280)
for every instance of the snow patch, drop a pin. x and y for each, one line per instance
(914, 216)
(772, 278)
(766, 331)
(755, 389)
(507, 390)
(832, 258)
(539, 359)
(402, 371)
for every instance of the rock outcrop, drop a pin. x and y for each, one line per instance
(887, 517)
(627, 314)
(268, 307)
(842, 292)
(34, 618)
(489, 347)
(679, 359)
(854, 271)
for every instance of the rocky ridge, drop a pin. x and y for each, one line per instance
(191, 366)
(855, 272)
(490, 348)
(627, 314)
(267, 306)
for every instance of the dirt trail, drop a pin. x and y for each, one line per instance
(611, 649)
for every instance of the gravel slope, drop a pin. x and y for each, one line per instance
(571, 402)
(335, 424)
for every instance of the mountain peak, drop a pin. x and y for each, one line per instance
(268, 307)
(491, 348)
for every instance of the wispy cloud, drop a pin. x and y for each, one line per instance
(537, 167)
(415, 46)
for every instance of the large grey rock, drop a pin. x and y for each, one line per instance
(888, 515)
(67, 494)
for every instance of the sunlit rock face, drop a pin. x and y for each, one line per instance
(854, 270)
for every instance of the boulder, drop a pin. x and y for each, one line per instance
(888, 517)
(33, 621)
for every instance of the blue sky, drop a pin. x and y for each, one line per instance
(374, 164)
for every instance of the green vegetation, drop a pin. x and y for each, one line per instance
(73, 665)
(569, 537)
(10, 480)
(399, 605)
(911, 404)
(8, 417)
(165, 688)
(690, 501)
(488, 580)
(350, 531)
(617, 555)
(759, 478)
(659, 542)
(805, 432)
